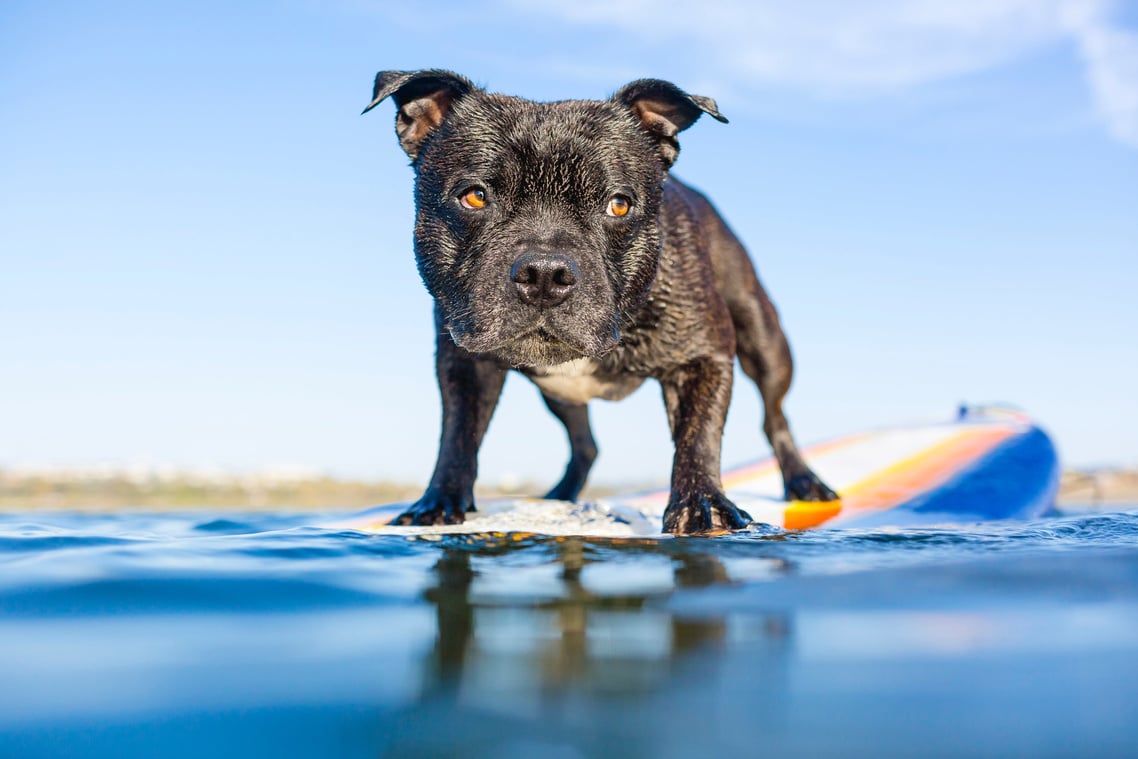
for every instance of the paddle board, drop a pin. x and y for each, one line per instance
(987, 463)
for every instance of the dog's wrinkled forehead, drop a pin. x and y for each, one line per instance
(575, 149)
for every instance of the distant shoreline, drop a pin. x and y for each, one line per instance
(105, 491)
(1099, 487)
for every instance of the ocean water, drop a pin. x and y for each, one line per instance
(228, 634)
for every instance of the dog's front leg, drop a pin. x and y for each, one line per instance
(470, 388)
(697, 396)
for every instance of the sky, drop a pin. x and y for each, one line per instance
(205, 250)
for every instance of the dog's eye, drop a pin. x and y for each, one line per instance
(474, 198)
(619, 205)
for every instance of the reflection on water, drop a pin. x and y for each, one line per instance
(561, 647)
(252, 635)
(740, 649)
(612, 643)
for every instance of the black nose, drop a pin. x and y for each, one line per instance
(544, 279)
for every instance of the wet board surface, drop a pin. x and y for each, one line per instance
(990, 463)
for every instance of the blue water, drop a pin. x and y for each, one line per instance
(155, 635)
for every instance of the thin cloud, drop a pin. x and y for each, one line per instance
(1111, 56)
(841, 49)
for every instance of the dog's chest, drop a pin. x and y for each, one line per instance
(582, 380)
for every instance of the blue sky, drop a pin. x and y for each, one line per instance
(206, 250)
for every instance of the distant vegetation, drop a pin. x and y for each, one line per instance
(95, 489)
(113, 489)
(1099, 486)
(63, 490)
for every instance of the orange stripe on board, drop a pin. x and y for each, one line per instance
(922, 472)
(802, 515)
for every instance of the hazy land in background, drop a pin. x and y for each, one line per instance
(110, 489)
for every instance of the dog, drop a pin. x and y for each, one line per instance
(555, 243)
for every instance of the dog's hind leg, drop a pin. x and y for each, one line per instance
(764, 356)
(582, 447)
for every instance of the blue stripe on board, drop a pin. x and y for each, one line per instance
(1018, 479)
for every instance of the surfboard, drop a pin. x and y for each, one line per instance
(987, 463)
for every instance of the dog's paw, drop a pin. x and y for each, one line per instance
(694, 514)
(437, 508)
(807, 487)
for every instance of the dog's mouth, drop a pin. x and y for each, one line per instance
(544, 335)
(541, 345)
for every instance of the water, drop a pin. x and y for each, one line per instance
(153, 635)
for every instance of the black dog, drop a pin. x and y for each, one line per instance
(555, 243)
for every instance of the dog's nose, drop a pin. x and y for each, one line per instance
(544, 279)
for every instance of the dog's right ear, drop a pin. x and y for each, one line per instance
(422, 99)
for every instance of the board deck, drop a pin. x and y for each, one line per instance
(988, 463)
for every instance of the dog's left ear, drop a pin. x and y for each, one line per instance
(422, 100)
(665, 110)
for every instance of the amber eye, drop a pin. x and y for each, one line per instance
(474, 198)
(619, 205)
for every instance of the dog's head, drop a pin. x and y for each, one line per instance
(537, 223)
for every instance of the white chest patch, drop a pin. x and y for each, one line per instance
(577, 381)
